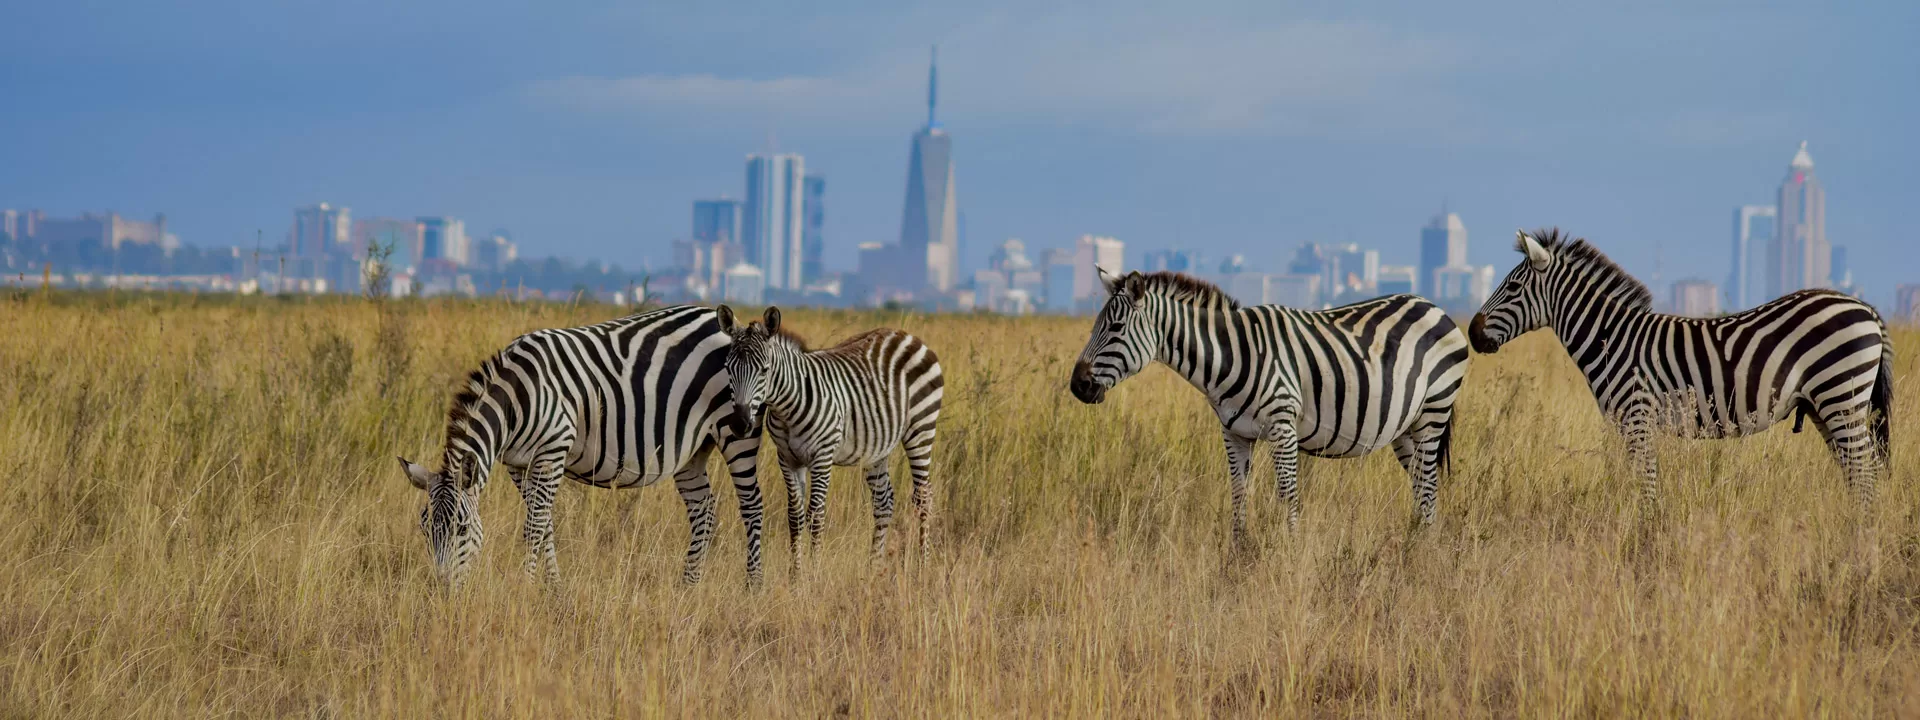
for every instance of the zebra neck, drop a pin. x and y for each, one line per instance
(785, 379)
(1197, 343)
(1590, 328)
(465, 443)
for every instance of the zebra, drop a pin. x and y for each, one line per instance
(848, 405)
(1336, 383)
(619, 404)
(1812, 353)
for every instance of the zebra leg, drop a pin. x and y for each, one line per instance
(743, 463)
(796, 508)
(1637, 428)
(1239, 462)
(880, 481)
(1845, 424)
(691, 480)
(1286, 469)
(1423, 470)
(920, 464)
(538, 483)
(820, 473)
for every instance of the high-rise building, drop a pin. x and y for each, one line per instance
(1183, 261)
(104, 231)
(1443, 243)
(1355, 273)
(929, 227)
(1396, 279)
(443, 239)
(1906, 304)
(1092, 253)
(400, 235)
(813, 243)
(492, 253)
(320, 230)
(744, 284)
(10, 224)
(1057, 278)
(1842, 275)
(1010, 257)
(1800, 257)
(1695, 297)
(716, 220)
(1461, 289)
(775, 217)
(1747, 283)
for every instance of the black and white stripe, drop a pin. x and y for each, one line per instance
(849, 405)
(1817, 353)
(620, 404)
(1332, 383)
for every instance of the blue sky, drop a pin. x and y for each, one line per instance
(587, 131)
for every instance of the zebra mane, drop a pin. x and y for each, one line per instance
(794, 338)
(1186, 288)
(468, 396)
(1594, 264)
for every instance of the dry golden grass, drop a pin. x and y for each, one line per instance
(201, 515)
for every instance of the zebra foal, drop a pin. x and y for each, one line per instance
(849, 405)
(1332, 383)
(1816, 354)
(620, 404)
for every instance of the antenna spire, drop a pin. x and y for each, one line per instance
(933, 85)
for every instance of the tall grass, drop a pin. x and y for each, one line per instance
(200, 514)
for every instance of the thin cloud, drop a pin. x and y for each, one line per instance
(1061, 69)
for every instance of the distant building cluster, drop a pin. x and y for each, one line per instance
(1783, 247)
(327, 250)
(771, 246)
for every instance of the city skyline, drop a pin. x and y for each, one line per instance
(1180, 136)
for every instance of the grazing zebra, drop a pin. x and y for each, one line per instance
(619, 404)
(848, 405)
(1816, 353)
(1333, 383)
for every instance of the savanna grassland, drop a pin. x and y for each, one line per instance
(200, 514)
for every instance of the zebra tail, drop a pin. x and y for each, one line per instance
(1882, 398)
(1445, 457)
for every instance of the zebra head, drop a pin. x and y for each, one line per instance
(451, 519)
(749, 360)
(1523, 302)
(1120, 345)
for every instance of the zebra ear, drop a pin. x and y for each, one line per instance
(726, 317)
(772, 318)
(1537, 255)
(1108, 279)
(419, 476)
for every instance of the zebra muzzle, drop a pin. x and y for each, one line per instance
(1084, 388)
(1477, 335)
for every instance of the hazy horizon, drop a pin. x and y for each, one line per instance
(587, 131)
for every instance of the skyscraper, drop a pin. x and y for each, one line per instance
(929, 228)
(1800, 255)
(1443, 243)
(716, 220)
(1092, 253)
(772, 226)
(444, 239)
(1747, 283)
(319, 230)
(812, 241)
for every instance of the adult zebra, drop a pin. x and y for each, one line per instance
(619, 404)
(848, 405)
(1333, 383)
(1819, 353)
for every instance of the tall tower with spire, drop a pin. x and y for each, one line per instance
(929, 226)
(1800, 256)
